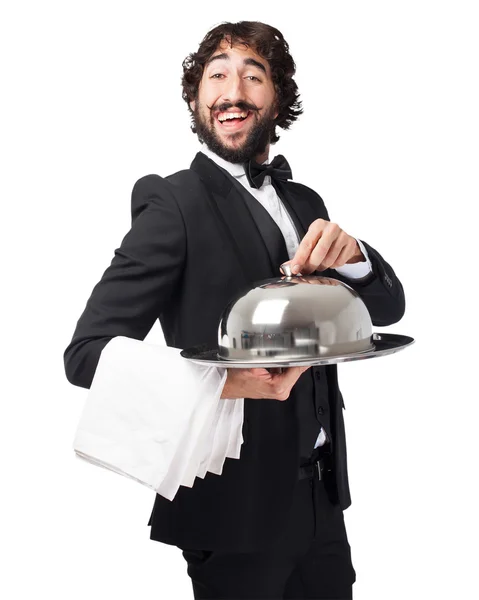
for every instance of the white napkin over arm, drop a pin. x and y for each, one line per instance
(150, 413)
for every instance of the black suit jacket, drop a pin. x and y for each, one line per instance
(196, 241)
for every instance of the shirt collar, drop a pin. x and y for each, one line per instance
(235, 169)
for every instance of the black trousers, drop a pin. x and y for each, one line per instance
(311, 559)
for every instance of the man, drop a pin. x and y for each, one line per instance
(271, 526)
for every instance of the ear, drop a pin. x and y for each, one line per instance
(192, 105)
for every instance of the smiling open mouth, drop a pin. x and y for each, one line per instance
(234, 120)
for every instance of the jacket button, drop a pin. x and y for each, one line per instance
(317, 374)
(320, 410)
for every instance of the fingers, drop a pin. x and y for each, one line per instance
(328, 247)
(257, 371)
(337, 248)
(342, 258)
(324, 246)
(321, 246)
(258, 374)
(275, 370)
(300, 262)
(284, 382)
(269, 383)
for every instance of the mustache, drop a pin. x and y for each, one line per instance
(241, 106)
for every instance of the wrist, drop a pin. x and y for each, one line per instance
(227, 391)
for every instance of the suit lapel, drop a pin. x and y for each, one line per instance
(246, 219)
(304, 207)
(298, 205)
(267, 228)
(241, 230)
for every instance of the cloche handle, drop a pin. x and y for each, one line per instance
(286, 267)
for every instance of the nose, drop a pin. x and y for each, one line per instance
(233, 90)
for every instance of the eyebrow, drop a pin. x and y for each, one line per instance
(247, 61)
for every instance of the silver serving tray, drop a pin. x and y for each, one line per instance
(384, 344)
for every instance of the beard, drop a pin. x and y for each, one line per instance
(256, 140)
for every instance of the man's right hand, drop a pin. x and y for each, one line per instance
(261, 383)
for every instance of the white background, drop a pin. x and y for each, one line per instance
(91, 102)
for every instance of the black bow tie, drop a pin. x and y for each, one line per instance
(278, 169)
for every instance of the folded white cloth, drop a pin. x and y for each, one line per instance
(231, 420)
(157, 418)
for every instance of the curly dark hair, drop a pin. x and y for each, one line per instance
(267, 42)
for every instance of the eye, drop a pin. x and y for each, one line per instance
(216, 75)
(254, 77)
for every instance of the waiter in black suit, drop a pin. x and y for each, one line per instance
(271, 526)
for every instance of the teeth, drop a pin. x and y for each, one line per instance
(226, 116)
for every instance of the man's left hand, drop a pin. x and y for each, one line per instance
(325, 246)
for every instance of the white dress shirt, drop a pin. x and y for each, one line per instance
(269, 199)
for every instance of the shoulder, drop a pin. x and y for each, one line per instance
(153, 184)
(309, 195)
(304, 190)
(156, 191)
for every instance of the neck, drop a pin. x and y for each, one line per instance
(260, 158)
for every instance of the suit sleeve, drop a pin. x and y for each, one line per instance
(381, 291)
(139, 282)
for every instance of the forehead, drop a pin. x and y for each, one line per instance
(238, 53)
